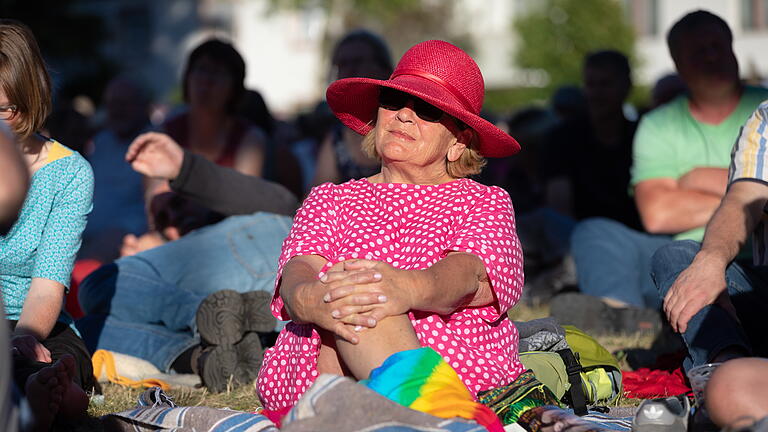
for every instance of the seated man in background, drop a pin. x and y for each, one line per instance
(681, 154)
(587, 172)
(149, 305)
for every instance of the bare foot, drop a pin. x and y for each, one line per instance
(52, 395)
(74, 404)
(45, 391)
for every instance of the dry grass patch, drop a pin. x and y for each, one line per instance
(118, 398)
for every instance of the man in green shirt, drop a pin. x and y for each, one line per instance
(679, 174)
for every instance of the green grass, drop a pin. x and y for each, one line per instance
(118, 398)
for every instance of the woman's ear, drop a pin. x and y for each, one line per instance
(455, 151)
(463, 139)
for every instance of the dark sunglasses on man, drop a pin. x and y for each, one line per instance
(395, 100)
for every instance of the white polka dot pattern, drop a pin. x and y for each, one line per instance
(409, 227)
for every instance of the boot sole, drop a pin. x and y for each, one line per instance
(220, 319)
(225, 316)
(238, 364)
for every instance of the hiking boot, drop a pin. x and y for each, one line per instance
(593, 315)
(238, 364)
(224, 317)
(662, 415)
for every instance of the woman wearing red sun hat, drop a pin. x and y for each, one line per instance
(416, 257)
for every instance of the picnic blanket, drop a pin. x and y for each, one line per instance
(333, 403)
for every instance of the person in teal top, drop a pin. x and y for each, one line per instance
(679, 175)
(38, 252)
(43, 242)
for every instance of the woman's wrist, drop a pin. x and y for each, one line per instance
(22, 329)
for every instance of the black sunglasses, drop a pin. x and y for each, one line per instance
(395, 100)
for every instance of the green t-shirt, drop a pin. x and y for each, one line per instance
(669, 142)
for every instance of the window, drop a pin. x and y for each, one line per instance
(644, 16)
(754, 15)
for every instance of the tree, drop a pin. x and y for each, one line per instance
(555, 35)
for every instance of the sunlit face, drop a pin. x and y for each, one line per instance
(403, 137)
(210, 84)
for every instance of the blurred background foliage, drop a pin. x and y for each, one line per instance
(554, 37)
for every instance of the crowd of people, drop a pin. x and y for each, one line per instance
(379, 231)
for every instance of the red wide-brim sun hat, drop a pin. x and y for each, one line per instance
(437, 72)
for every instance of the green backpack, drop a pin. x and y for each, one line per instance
(585, 374)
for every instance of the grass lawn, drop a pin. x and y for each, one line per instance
(117, 398)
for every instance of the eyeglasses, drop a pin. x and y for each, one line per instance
(395, 100)
(8, 111)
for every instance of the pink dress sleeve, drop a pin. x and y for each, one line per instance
(489, 233)
(313, 233)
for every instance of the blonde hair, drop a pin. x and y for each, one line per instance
(24, 77)
(470, 162)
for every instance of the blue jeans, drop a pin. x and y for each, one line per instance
(713, 329)
(144, 305)
(614, 261)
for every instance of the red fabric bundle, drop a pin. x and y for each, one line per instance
(645, 383)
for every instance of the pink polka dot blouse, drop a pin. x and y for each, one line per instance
(410, 227)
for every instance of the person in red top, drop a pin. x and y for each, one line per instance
(414, 256)
(213, 89)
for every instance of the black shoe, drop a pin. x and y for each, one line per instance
(239, 364)
(594, 316)
(224, 317)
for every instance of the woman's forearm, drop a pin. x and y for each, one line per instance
(457, 280)
(41, 308)
(298, 272)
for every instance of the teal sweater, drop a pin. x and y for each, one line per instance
(46, 237)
